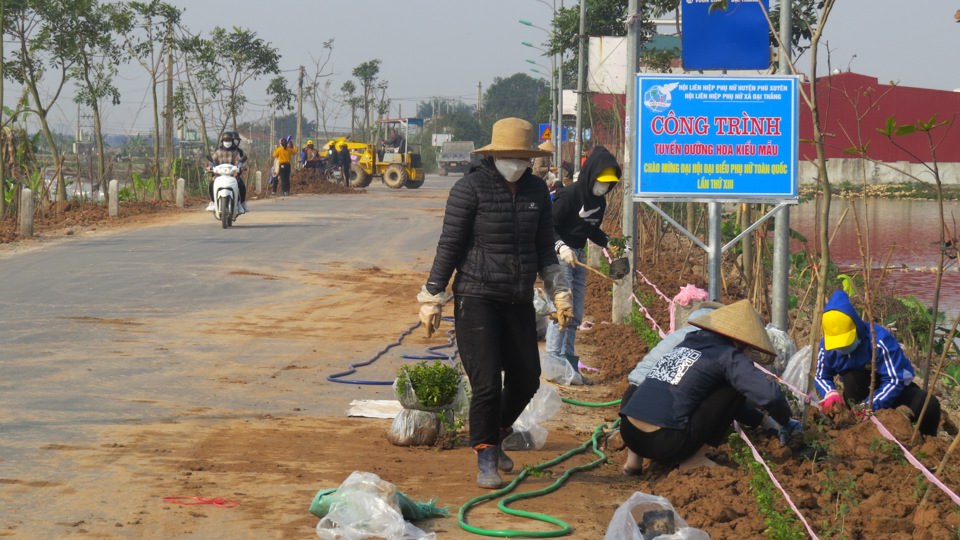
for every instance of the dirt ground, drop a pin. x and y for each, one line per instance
(273, 464)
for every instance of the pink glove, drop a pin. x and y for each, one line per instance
(832, 399)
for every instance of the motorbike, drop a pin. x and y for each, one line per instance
(226, 193)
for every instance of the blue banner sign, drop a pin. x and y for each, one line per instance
(715, 138)
(737, 37)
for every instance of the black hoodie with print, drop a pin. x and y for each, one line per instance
(577, 212)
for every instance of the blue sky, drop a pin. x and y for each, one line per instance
(445, 47)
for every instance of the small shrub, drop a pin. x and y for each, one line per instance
(436, 384)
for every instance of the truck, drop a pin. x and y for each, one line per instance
(455, 156)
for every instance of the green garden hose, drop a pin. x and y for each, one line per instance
(564, 527)
(589, 404)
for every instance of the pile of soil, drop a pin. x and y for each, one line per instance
(65, 217)
(314, 182)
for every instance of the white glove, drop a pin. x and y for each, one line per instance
(431, 308)
(430, 315)
(567, 255)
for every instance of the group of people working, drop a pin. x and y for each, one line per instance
(502, 230)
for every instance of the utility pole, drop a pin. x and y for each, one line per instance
(168, 117)
(623, 289)
(581, 76)
(781, 227)
(479, 97)
(560, 110)
(300, 109)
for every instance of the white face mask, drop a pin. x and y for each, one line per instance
(601, 188)
(510, 168)
(227, 144)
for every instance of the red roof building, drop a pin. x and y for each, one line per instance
(853, 106)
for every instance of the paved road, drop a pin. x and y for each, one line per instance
(90, 328)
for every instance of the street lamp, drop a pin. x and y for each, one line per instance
(556, 117)
(536, 64)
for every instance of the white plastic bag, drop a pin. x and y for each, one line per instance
(542, 308)
(558, 370)
(528, 434)
(366, 509)
(414, 428)
(648, 517)
(798, 369)
(783, 345)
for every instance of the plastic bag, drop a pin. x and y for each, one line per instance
(528, 434)
(648, 517)
(365, 508)
(798, 369)
(783, 345)
(414, 428)
(558, 370)
(542, 308)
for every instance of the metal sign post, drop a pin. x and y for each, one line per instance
(714, 140)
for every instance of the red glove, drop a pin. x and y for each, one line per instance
(861, 414)
(832, 399)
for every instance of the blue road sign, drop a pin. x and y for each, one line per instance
(734, 38)
(545, 133)
(733, 138)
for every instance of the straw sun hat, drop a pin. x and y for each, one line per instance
(740, 322)
(547, 146)
(511, 139)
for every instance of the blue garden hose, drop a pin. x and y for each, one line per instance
(433, 355)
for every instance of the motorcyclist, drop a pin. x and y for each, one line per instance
(229, 152)
(309, 157)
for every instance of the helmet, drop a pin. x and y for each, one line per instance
(309, 143)
(227, 136)
(839, 330)
(236, 137)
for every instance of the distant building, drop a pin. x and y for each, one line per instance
(854, 106)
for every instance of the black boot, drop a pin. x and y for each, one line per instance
(488, 477)
(504, 463)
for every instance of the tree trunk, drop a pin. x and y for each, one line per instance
(102, 161)
(3, 179)
(156, 139)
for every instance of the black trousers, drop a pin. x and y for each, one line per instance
(494, 338)
(240, 184)
(345, 169)
(708, 424)
(856, 388)
(284, 179)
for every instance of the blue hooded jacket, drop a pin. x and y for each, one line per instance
(894, 371)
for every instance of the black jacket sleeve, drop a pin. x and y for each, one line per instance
(458, 221)
(545, 236)
(599, 237)
(561, 212)
(756, 387)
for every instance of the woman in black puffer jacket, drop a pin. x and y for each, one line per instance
(498, 236)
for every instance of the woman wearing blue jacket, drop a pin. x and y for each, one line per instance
(846, 350)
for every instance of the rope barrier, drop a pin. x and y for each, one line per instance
(759, 459)
(648, 316)
(655, 289)
(932, 478)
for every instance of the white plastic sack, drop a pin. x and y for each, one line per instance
(528, 434)
(414, 428)
(648, 517)
(783, 345)
(558, 370)
(542, 308)
(798, 369)
(366, 509)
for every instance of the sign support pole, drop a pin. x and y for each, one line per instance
(715, 255)
(623, 289)
(781, 246)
